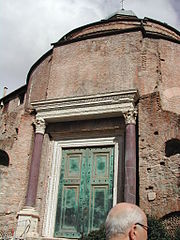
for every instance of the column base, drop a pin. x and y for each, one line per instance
(27, 226)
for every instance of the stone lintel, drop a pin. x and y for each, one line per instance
(93, 106)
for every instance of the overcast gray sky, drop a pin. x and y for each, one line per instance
(28, 27)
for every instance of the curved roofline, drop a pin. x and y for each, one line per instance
(132, 19)
(164, 24)
(64, 40)
(141, 28)
(97, 35)
(44, 56)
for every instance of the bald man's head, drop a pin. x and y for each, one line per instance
(121, 218)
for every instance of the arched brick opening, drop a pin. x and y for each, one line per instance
(4, 158)
(172, 147)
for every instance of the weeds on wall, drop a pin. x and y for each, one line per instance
(156, 231)
(177, 234)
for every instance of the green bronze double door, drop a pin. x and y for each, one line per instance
(85, 192)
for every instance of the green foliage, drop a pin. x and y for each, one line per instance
(177, 234)
(156, 230)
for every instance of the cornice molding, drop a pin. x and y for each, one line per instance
(109, 104)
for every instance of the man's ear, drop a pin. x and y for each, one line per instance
(133, 233)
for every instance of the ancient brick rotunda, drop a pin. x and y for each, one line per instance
(96, 123)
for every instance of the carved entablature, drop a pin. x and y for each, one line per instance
(130, 116)
(40, 125)
(84, 107)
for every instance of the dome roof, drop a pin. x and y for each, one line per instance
(122, 13)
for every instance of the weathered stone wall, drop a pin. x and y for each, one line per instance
(106, 64)
(101, 65)
(158, 174)
(147, 66)
(38, 82)
(16, 140)
(169, 75)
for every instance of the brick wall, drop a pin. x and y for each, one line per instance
(16, 140)
(95, 66)
(158, 174)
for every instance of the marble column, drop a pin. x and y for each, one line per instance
(35, 163)
(130, 157)
(28, 217)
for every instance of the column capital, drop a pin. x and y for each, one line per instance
(130, 116)
(40, 125)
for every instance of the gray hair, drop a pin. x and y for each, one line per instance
(119, 223)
